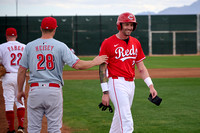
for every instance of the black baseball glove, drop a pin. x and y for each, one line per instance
(157, 100)
(105, 107)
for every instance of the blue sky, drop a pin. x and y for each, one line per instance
(85, 7)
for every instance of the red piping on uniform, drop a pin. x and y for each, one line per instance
(140, 60)
(75, 63)
(118, 106)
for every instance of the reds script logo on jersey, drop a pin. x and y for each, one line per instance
(125, 54)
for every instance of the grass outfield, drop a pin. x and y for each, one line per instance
(179, 111)
(161, 62)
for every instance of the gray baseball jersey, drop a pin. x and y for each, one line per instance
(45, 58)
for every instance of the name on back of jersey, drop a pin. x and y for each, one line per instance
(44, 48)
(15, 48)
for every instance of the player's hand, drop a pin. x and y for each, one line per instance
(153, 91)
(105, 99)
(100, 59)
(19, 97)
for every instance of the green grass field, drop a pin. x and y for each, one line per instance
(178, 113)
(161, 62)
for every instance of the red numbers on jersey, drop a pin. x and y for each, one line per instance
(15, 57)
(48, 60)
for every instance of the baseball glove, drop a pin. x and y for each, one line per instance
(105, 107)
(2, 70)
(157, 100)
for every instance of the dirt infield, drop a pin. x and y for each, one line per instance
(81, 75)
(155, 73)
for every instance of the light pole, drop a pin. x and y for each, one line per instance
(16, 7)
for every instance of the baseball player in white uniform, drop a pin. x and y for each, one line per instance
(10, 55)
(45, 58)
(124, 52)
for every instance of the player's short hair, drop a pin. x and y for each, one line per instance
(47, 30)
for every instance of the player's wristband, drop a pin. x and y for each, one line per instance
(148, 81)
(104, 86)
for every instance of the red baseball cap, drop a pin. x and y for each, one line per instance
(49, 23)
(11, 32)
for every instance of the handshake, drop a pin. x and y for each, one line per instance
(105, 107)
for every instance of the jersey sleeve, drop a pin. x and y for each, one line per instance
(68, 57)
(103, 49)
(140, 54)
(24, 61)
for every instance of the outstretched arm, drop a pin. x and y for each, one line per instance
(145, 76)
(88, 64)
(104, 85)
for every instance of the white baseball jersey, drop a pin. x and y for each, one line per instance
(10, 55)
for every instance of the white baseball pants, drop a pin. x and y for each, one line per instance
(48, 101)
(121, 93)
(10, 90)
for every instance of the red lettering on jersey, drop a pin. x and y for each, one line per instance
(15, 48)
(44, 48)
(48, 47)
(52, 47)
(22, 49)
(36, 48)
(12, 48)
(40, 48)
(9, 49)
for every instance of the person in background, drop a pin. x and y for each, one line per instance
(10, 55)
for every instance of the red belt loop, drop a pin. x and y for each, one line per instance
(54, 85)
(114, 77)
(50, 85)
(34, 84)
(129, 79)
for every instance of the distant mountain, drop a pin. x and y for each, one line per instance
(191, 9)
(194, 8)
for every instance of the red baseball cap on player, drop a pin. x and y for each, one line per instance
(11, 32)
(49, 23)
